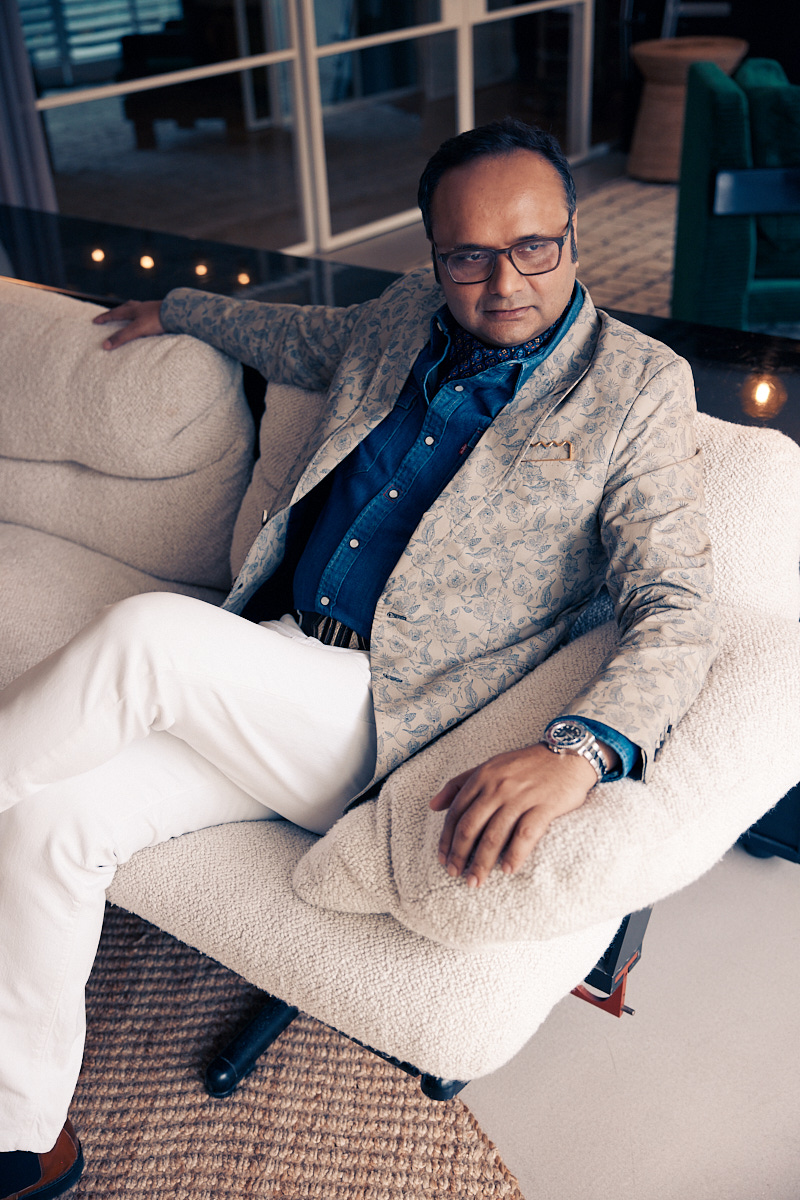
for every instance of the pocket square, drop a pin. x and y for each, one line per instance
(544, 451)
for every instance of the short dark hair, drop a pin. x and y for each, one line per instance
(487, 141)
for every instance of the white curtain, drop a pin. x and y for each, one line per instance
(25, 177)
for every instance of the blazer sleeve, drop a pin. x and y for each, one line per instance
(301, 345)
(660, 573)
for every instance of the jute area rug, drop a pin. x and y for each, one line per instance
(319, 1117)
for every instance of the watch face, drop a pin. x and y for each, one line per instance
(567, 734)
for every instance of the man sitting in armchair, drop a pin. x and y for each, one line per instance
(493, 451)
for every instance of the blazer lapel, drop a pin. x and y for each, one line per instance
(354, 411)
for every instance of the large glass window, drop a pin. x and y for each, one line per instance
(386, 109)
(340, 20)
(182, 159)
(288, 123)
(77, 42)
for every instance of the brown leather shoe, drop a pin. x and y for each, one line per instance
(42, 1176)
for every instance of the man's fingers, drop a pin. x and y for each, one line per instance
(143, 319)
(128, 333)
(122, 312)
(469, 813)
(503, 839)
(445, 796)
(529, 830)
(498, 812)
(475, 851)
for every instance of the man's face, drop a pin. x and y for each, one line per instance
(495, 202)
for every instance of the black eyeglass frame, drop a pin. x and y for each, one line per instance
(507, 250)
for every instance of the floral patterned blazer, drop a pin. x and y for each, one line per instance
(590, 475)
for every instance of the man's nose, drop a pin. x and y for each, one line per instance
(505, 279)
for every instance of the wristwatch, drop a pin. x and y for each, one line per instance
(568, 736)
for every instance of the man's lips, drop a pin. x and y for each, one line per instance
(506, 314)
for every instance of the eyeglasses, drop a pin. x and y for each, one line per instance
(533, 256)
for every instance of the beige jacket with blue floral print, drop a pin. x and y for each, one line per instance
(590, 475)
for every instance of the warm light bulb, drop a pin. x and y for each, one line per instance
(763, 395)
(147, 262)
(201, 269)
(243, 279)
(98, 255)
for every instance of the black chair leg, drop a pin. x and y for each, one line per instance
(441, 1089)
(240, 1056)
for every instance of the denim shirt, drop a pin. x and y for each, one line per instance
(378, 494)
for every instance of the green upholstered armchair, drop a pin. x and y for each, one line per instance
(737, 261)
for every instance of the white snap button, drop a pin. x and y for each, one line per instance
(429, 441)
(393, 494)
(354, 543)
(325, 600)
(459, 387)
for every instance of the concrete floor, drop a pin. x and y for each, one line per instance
(696, 1097)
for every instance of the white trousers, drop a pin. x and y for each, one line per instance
(163, 716)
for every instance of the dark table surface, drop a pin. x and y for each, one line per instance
(749, 378)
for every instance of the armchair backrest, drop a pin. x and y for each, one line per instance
(142, 454)
(714, 256)
(774, 114)
(736, 270)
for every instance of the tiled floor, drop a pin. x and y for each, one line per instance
(626, 235)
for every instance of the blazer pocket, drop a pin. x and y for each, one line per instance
(550, 451)
(549, 468)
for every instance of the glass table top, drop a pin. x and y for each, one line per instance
(110, 263)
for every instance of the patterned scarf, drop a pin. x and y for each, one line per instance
(467, 356)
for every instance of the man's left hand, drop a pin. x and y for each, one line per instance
(497, 812)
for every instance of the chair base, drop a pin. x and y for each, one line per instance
(235, 1062)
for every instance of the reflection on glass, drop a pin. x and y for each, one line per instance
(763, 395)
(73, 43)
(221, 163)
(339, 20)
(387, 109)
(521, 70)
(147, 262)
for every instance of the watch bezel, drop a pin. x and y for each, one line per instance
(574, 743)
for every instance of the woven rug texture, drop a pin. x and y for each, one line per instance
(320, 1117)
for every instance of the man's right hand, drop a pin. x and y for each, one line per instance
(143, 317)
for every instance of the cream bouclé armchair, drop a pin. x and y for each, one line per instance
(134, 471)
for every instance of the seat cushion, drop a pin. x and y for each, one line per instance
(451, 1013)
